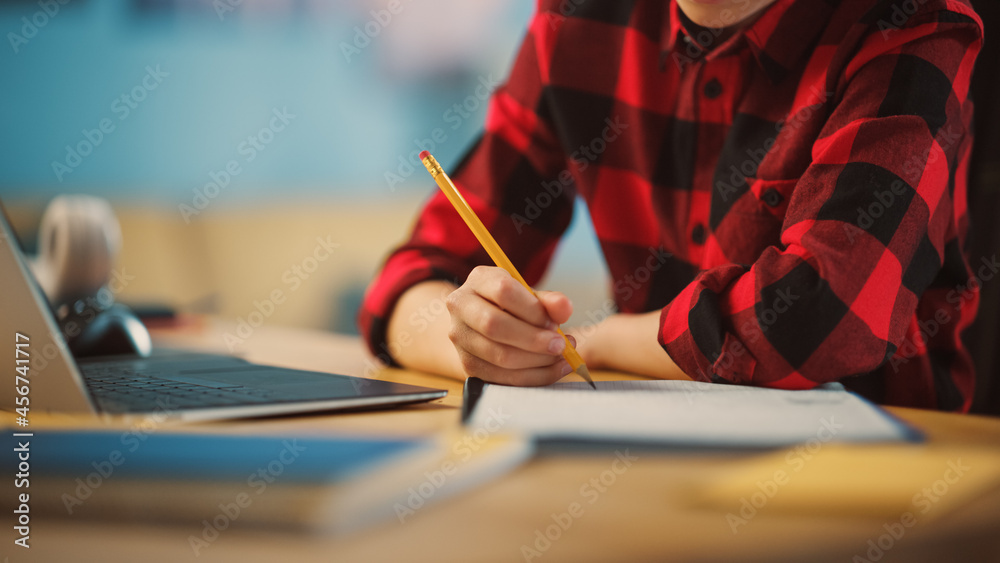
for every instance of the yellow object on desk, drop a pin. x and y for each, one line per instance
(494, 250)
(875, 480)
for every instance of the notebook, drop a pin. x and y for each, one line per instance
(682, 413)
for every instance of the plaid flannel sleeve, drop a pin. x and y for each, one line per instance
(839, 294)
(514, 178)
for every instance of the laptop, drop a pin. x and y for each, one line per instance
(167, 384)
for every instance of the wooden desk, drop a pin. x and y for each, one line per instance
(638, 518)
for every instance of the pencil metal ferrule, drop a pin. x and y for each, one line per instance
(432, 166)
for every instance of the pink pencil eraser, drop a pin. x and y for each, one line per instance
(423, 154)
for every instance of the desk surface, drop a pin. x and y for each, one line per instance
(638, 518)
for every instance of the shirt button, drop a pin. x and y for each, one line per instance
(772, 197)
(698, 234)
(713, 89)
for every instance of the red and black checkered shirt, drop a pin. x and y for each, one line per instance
(792, 196)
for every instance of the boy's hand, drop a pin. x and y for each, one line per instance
(503, 334)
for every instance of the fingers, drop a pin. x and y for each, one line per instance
(502, 355)
(531, 377)
(470, 310)
(505, 334)
(497, 286)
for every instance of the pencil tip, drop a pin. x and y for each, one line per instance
(585, 374)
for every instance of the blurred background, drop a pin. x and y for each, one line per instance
(233, 136)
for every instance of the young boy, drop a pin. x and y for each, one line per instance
(778, 186)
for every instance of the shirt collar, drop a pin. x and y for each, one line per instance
(672, 28)
(778, 38)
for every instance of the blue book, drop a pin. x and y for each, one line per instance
(209, 483)
(207, 457)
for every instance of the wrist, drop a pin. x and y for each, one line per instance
(628, 343)
(417, 331)
(590, 341)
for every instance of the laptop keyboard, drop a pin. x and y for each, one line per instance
(121, 389)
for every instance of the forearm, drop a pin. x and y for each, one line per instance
(418, 330)
(627, 343)
(419, 325)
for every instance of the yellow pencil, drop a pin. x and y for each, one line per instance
(494, 250)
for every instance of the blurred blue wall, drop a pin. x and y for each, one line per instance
(353, 120)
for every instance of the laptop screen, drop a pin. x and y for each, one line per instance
(36, 344)
(7, 233)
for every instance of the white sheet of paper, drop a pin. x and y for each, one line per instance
(685, 413)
